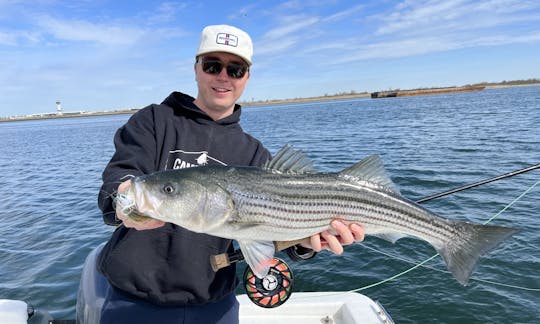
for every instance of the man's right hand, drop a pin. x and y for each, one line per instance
(146, 224)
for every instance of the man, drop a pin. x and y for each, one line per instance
(160, 272)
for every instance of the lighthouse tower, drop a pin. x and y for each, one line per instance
(58, 107)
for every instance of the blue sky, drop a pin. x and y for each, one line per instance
(105, 55)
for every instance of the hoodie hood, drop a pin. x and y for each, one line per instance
(181, 101)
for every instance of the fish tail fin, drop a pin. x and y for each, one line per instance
(461, 252)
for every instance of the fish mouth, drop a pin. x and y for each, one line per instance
(142, 202)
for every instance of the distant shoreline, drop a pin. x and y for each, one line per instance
(69, 115)
(257, 103)
(307, 99)
(368, 94)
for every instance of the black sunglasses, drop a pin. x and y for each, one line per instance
(235, 70)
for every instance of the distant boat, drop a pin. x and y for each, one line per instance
(384, 94)
(422, 92)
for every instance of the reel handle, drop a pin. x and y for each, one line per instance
(282, 245)
(220, 261)
(274, 289)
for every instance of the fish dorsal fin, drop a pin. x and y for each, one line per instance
(289, 160)
(371, 169)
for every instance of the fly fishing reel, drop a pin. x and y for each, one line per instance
(274, 289)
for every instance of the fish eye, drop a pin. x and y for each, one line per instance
(168, 188)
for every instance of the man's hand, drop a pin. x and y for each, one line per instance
(341, 234)
(148, 223)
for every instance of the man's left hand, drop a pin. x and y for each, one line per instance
(342, 233)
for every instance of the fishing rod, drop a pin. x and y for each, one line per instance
(479, 183)
(223, 260)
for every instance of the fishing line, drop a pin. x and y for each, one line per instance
(444, 271)
(434, 256)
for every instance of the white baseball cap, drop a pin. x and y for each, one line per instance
(225, 38)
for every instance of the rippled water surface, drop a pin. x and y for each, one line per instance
(51, 173)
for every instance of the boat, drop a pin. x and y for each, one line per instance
(384, 94)
(316, 307)
(301, 307)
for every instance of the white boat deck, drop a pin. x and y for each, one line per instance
(316, 308)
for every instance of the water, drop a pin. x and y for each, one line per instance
(51, 173)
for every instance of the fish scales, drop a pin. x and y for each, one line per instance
(287, 200)
(296, 201)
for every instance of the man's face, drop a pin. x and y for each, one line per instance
(219, 92)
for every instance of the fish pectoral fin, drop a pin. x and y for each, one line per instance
(258, 255)
(390, 237)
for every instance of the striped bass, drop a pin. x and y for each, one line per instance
(287, 200)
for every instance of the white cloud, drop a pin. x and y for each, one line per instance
(290, 25)
(394, 49)
(7, 39)
(290, 32)
(424, 17)
(423, 27)
(166, 12)
(345, 13)
(79, 30)
(15, 38)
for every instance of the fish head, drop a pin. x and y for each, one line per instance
(185, 198)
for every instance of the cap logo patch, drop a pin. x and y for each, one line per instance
(227, 39)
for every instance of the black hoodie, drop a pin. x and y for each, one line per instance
(171, 265)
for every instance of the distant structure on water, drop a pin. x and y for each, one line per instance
(421, 92)
(59, 108)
